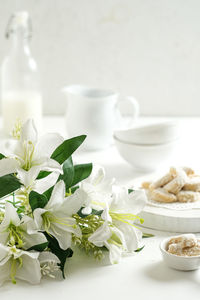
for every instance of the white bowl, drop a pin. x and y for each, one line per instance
(158, 133)
(146, 157)
(184, 263)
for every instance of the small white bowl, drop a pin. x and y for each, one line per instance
(158, 133)
(146, 157)
(183, 263)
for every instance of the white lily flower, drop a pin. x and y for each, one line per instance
(30, 181)
(30, 152)
(97, 190)
(14, 231)
(49, 264)
(19, 264)
(118, 233)
(122, 201)
(111, 238)
(122, 212)
(56, 217)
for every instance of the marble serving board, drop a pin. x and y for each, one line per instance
(163, 219)
(171, 217)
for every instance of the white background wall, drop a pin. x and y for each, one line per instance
(146, 48)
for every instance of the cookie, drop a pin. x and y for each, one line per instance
(185, 240)
(188, 171)
(177, 183)
(160, 195)
(146, 184)
(192, 184)
(162, 181)
(184, 245)
(188, 196)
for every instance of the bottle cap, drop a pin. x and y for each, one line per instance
(19, 21)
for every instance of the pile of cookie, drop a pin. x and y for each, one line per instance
(178, 185)
(184, 245)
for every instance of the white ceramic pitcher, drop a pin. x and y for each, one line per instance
(96, 113)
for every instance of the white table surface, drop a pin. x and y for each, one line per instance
(142, 276)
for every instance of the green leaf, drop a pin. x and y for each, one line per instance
(74, 188)
(67, 176)
(147, 235)
(37, 200)
(43, 174)
(39, 247)
(20, 210)
(68, 173)
(65, 150)
(48, 192)
(2, 156)
(130, 191)
(8, 184)
(96, 212)
(139, 249)
(60, 253)
(80, 213)
(81, 172)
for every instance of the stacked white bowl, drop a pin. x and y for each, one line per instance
(147, 147)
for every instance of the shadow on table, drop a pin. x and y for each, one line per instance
(160, 272)
(81, 261)
(124, 173)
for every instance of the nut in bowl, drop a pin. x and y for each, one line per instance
(181, 252)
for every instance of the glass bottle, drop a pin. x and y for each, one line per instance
(20, 91)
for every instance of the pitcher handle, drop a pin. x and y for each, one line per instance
(127, 111)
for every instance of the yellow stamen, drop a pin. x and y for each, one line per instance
(13, 271)
(49, 218)
(68, 193)
(125, 218)
(16, 131)
(28, 155)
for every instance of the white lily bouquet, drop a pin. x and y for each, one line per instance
(48, 205)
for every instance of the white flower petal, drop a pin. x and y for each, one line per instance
(129, 203)
(47, 256)
(67, 224)
(132, 236)
(33, 239)
(48, 164)
(117, 232)
(42, 185)
(137, 201)
(10, 216)
(4, 251)
(8, 166)
(10, 147)
(119, 198)
(73, 203)
(48, 143)
(63, 237)
(28, 177)
(105, 215)
(37, 223)
(29, 132)
(5, 272)
(98, 189)
(57, 196)
(30, 270)
(101, 235)
(4, 237)
(97, 175)
(114, 253)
